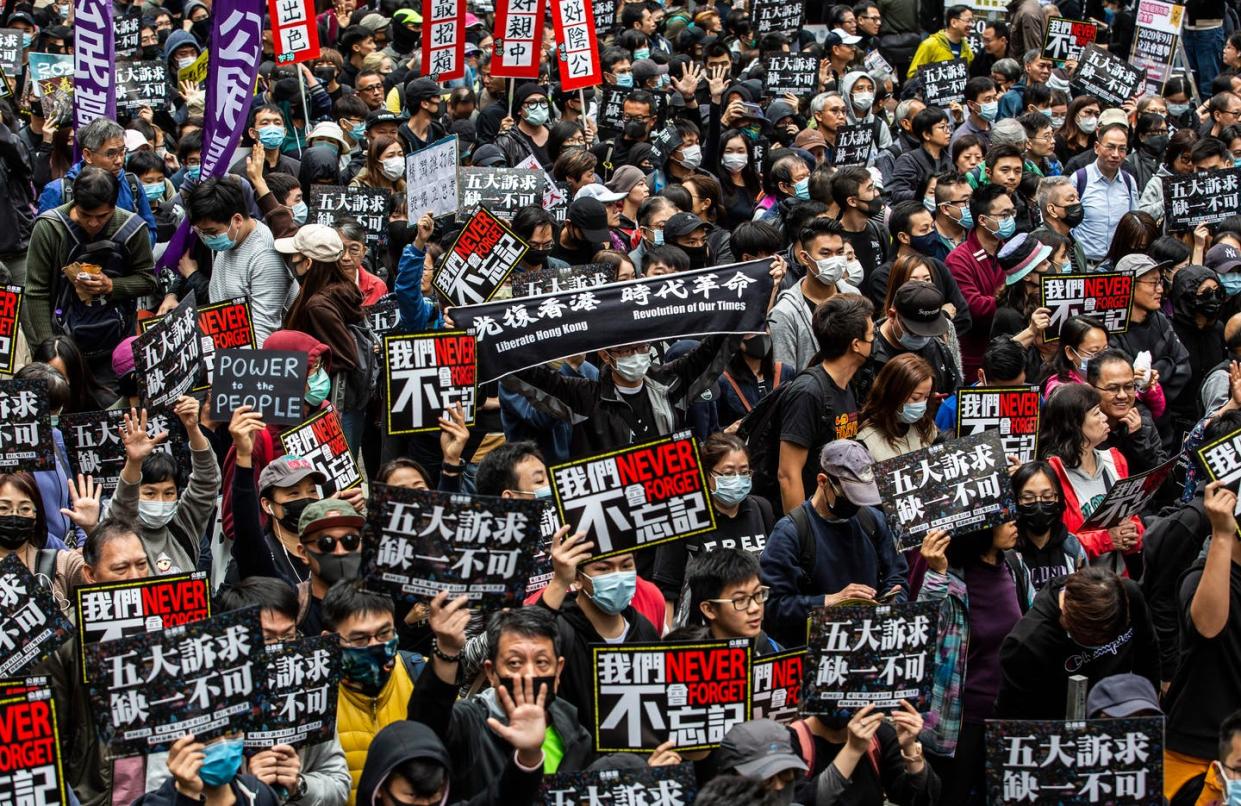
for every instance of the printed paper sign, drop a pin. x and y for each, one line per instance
(207, 678)
(791, 74)
(426, 374)
(303, 677)
(10, 319)
(443, 39)
(861, 655)
(502, 191)
(777, 685)
(224, 326)
(555, 194)
(1107, 297)
(384, 316)
(32, 624)
(1109, 78)
(1012, 412)
(128, 35)
(552, 281)
(294, 31)
(1066, 39)
(944, 82)
(1201, 197)
(25, 426)
(119, 609)
(141, 84)
(961, 485)
(1222, 462)
(1055, 763)
(30, 763)
(854, 144)
(321, 441)
(273, 382)
(663, 142)
(576, 48)
(479, 261)
(11, 51)
(647, 694)
(46, 66)
(14, 686)
(636, 497)
(605, 16)
(1128, 497)
(1155, 38)
(518, 39)
(169, 356)
(93, 442)
(671, 786)
(368, 206)
(421, 542)
(431, 179)
(777, 16)
(517, 334)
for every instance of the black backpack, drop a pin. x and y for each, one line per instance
(761, 431)
(362, 381)
(808, 551)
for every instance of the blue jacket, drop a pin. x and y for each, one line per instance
(522, 421)
(417, 312)
(53, 196)
(1013, 102)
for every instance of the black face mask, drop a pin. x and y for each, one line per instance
(162, 36)
(325, 73)
(844, 509)
(202, 31)
(757, 346)
(1208, 307)
(537, 682)
(400, 233)
(150, 52)
(293, 513)
(538, 257)
(1073, 214)
(1039, 517)
(697, 256)
(635, 130)
(15, 531)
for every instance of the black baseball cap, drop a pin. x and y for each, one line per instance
(589, 215)
(682, 224)
(920, 306)
(382, 116)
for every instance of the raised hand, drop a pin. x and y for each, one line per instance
(84, 503)
(138, 443)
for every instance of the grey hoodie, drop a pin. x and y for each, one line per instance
(883, 136)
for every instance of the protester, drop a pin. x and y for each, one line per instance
(1048, 549)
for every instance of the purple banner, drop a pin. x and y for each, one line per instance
(232, 68)
(94, 54)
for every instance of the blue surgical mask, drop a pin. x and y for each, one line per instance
(912, 412)
(320, 385)
(220, 242)
(989, 110)
(929, 203)
(300, 211)
(657, 236)
(1046, 112)
(802, 189)
(911, 341)
(154, 191)
(624, 80)
(642, 53)
(613, 592)
(967, 218)
(1231, 282)
(367, 669)
(193, 172)
(543, 492)
(27, 40)
(358, 133)
(1232, 789)
(536, 115)
(1007, 227)
(732, 490)
(1066, 267)
(221, 762)
(271, 136)
(1177, 110)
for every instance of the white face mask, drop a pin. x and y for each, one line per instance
(633, 367)
(155, 514)
(863, 100)
(393, 168)
(734, 163)
(185, 61)
(829, 270)
(691, 156)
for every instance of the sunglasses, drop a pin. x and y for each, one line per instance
(326, 544)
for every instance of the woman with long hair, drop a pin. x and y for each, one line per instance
(1078, 131)
(1134, 234)
(740, 185)
(897, 417)
(85, 393)
(23, 532)
(1072, 426)
(1048, 548)
(918, 267)
(1081, 339)
(385, 166)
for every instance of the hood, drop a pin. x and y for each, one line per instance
(1184, 286)
(846, 91)
(178, 38)
(742, 89)
(300, 342)
(319, 166)
(779, 110)
(397, 743)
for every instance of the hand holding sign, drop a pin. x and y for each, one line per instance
(1221, 506)
(934, 550)
(246, 422)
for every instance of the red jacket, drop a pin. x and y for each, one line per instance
(979, 275)
(1097, 543)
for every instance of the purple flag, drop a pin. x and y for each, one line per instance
(94, 54)
(232, 68)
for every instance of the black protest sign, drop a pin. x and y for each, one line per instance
(1065, 39)
(791, 74)
(1012, 412)
(1201, 197)
(1127, 498)
(777, 16)
(10, 320)
(128, 35)
(961, 485)
(32, 624)
(206, 678)
(93, 442)
(31, 771)
(141, 84)
(421, 542)
(1107, 297)
(224, 325)
(273, 382)
(384, 316)
(691, 694)
(25, 426)
(854, 144)
(668, 785)
(503, 191)
(1222, 461)
(13, 686)
(541, 570)
(776, 691)
(612, 106)
(861, 655)
(520, 333)
(320, 440)
(11, 51)
(425, 374)
(944, 82)
(604, 12)
(1057, 763)
(635, 497)
(118, 609)
(368, 206)
(480, 259)
(169, 356)
(1109, 78)
(663, 143)
(572, 278)
(303, 678)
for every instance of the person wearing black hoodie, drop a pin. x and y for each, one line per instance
(1091, 623)
(1196, 302)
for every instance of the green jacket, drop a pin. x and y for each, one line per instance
(935, 48)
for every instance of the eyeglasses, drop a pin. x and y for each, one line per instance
(1115, 148)
(742, 601)
(327, 544)
(536, 105)
(358, 640)
(24, 510)
(1044, 498)
(1119, 389)
(1152, 283)
(736, 474)
(635, 118)
(372, 88)
(112, 153)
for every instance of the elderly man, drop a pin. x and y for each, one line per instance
(1061, 210)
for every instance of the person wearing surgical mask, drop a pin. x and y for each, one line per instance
(858, 197)
(820, 252)
(858, 89)
(982, 101)
(897, 418)
(385, 166)
(914, 324)
(268, 128)
(209, 772)
(527, 134)
(684, 161)
(170, 521)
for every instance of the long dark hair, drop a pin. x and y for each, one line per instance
(1023, 476)
(85, 393)
(1135, 232)
(967, 549)
(893, 385)
(319, 277)
(1072, 333)
(749, 176)
(26, 485)
(1060, 424)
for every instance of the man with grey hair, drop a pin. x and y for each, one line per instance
(1061, 210)
(1036, 72)
(906, 111)
(828, 110)
(1009, 132)
(103, 146)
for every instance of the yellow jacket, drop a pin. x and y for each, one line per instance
(935, 48)
(359, 718)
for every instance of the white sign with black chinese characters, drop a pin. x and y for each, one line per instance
(1201, 197)
(1057, 763)
(1110, 79)
(577, 47)
(944, 82)
(443, 39)
(691, 694)
(368, 206)
(321, 441)
(503, 191)
(479, 260)
(777, 685)
(169, 356)
(641, 786)
(1011, 412)
(861, 655)
(431, 179)
(303, 677)
(518, 39)
(790, 74)
(854, 144)
(295, 34)
(141, 84)
(635, 497)
(25, 426)
(1222, 462)
(961, 486)
(1155, 38)
(32, 623)
(421, 542)
(425, 375)
(777, 16)
(1107, 297)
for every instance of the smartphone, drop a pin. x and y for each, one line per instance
(752, 110)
